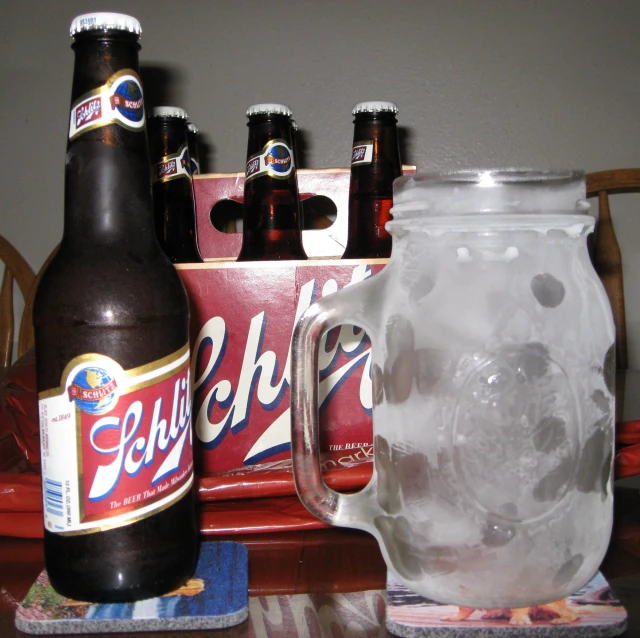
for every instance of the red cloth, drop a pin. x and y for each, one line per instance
(627, 461)
(19, 436)
(628, 432)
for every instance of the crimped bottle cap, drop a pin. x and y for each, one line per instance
(192, 128)
(102, 21)
(267, 109)
(169, 111)
(375, 107)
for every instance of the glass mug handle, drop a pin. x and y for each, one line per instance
(352, 305)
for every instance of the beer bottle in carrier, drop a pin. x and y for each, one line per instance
(375, 163)
(173, 204)
(194, 154)
(111, 324)
(271, 210)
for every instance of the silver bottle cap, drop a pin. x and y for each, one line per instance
(192, 128)
(269, 108)
(103, 20)
(375, 107)
(169, 111)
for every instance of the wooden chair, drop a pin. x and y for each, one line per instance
(15, 268)
(606, 256)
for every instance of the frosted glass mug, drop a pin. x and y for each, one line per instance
(493, 375)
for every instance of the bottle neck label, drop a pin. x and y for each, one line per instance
(116, 444)
(195, 167)
(119, 101)
(275, 160)
(173, 166)
(362, 153)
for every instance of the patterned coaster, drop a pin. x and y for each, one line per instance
(216, 596)
(592, 612)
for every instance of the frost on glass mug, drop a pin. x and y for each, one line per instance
(493, 379)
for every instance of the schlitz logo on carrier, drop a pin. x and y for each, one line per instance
(173, 166)
(119, 101)
(122, 442)
(275, 160)
(362, 153)
(241, 413)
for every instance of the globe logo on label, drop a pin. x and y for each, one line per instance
(127, 100)
(278, 159)
(93, 390)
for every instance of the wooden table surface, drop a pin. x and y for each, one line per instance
(325, 561)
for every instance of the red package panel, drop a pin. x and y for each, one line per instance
(258, 516)
(329, 183)
(332, 183)
(242, 319)
(276, 479)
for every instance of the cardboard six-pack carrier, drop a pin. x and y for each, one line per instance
(242, 318)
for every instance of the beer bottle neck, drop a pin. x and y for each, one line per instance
(173, 202)
(375, 164)
(271, 209)
(168, 144)
(377, 175)
(107, 177)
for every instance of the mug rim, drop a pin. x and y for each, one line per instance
(486, 177)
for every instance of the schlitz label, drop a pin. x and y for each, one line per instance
(275, 160)
(116, 444)
(119, 101)
(362, 153)
(173, 166)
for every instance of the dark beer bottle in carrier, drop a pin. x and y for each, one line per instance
(173, 203)
(271, 210)
(375, 163)
(112, 350)
(194, 153)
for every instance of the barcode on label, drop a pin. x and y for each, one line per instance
(53, 497)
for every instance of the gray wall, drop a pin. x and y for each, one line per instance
(478, 83)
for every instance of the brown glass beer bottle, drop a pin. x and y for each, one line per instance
(375, 163)
(194, 152)
(271, 210)
(111, 324)
(173, 204)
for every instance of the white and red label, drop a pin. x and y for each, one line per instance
(173, 166)
(119, 101)
(116, 444)
(362, 153)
